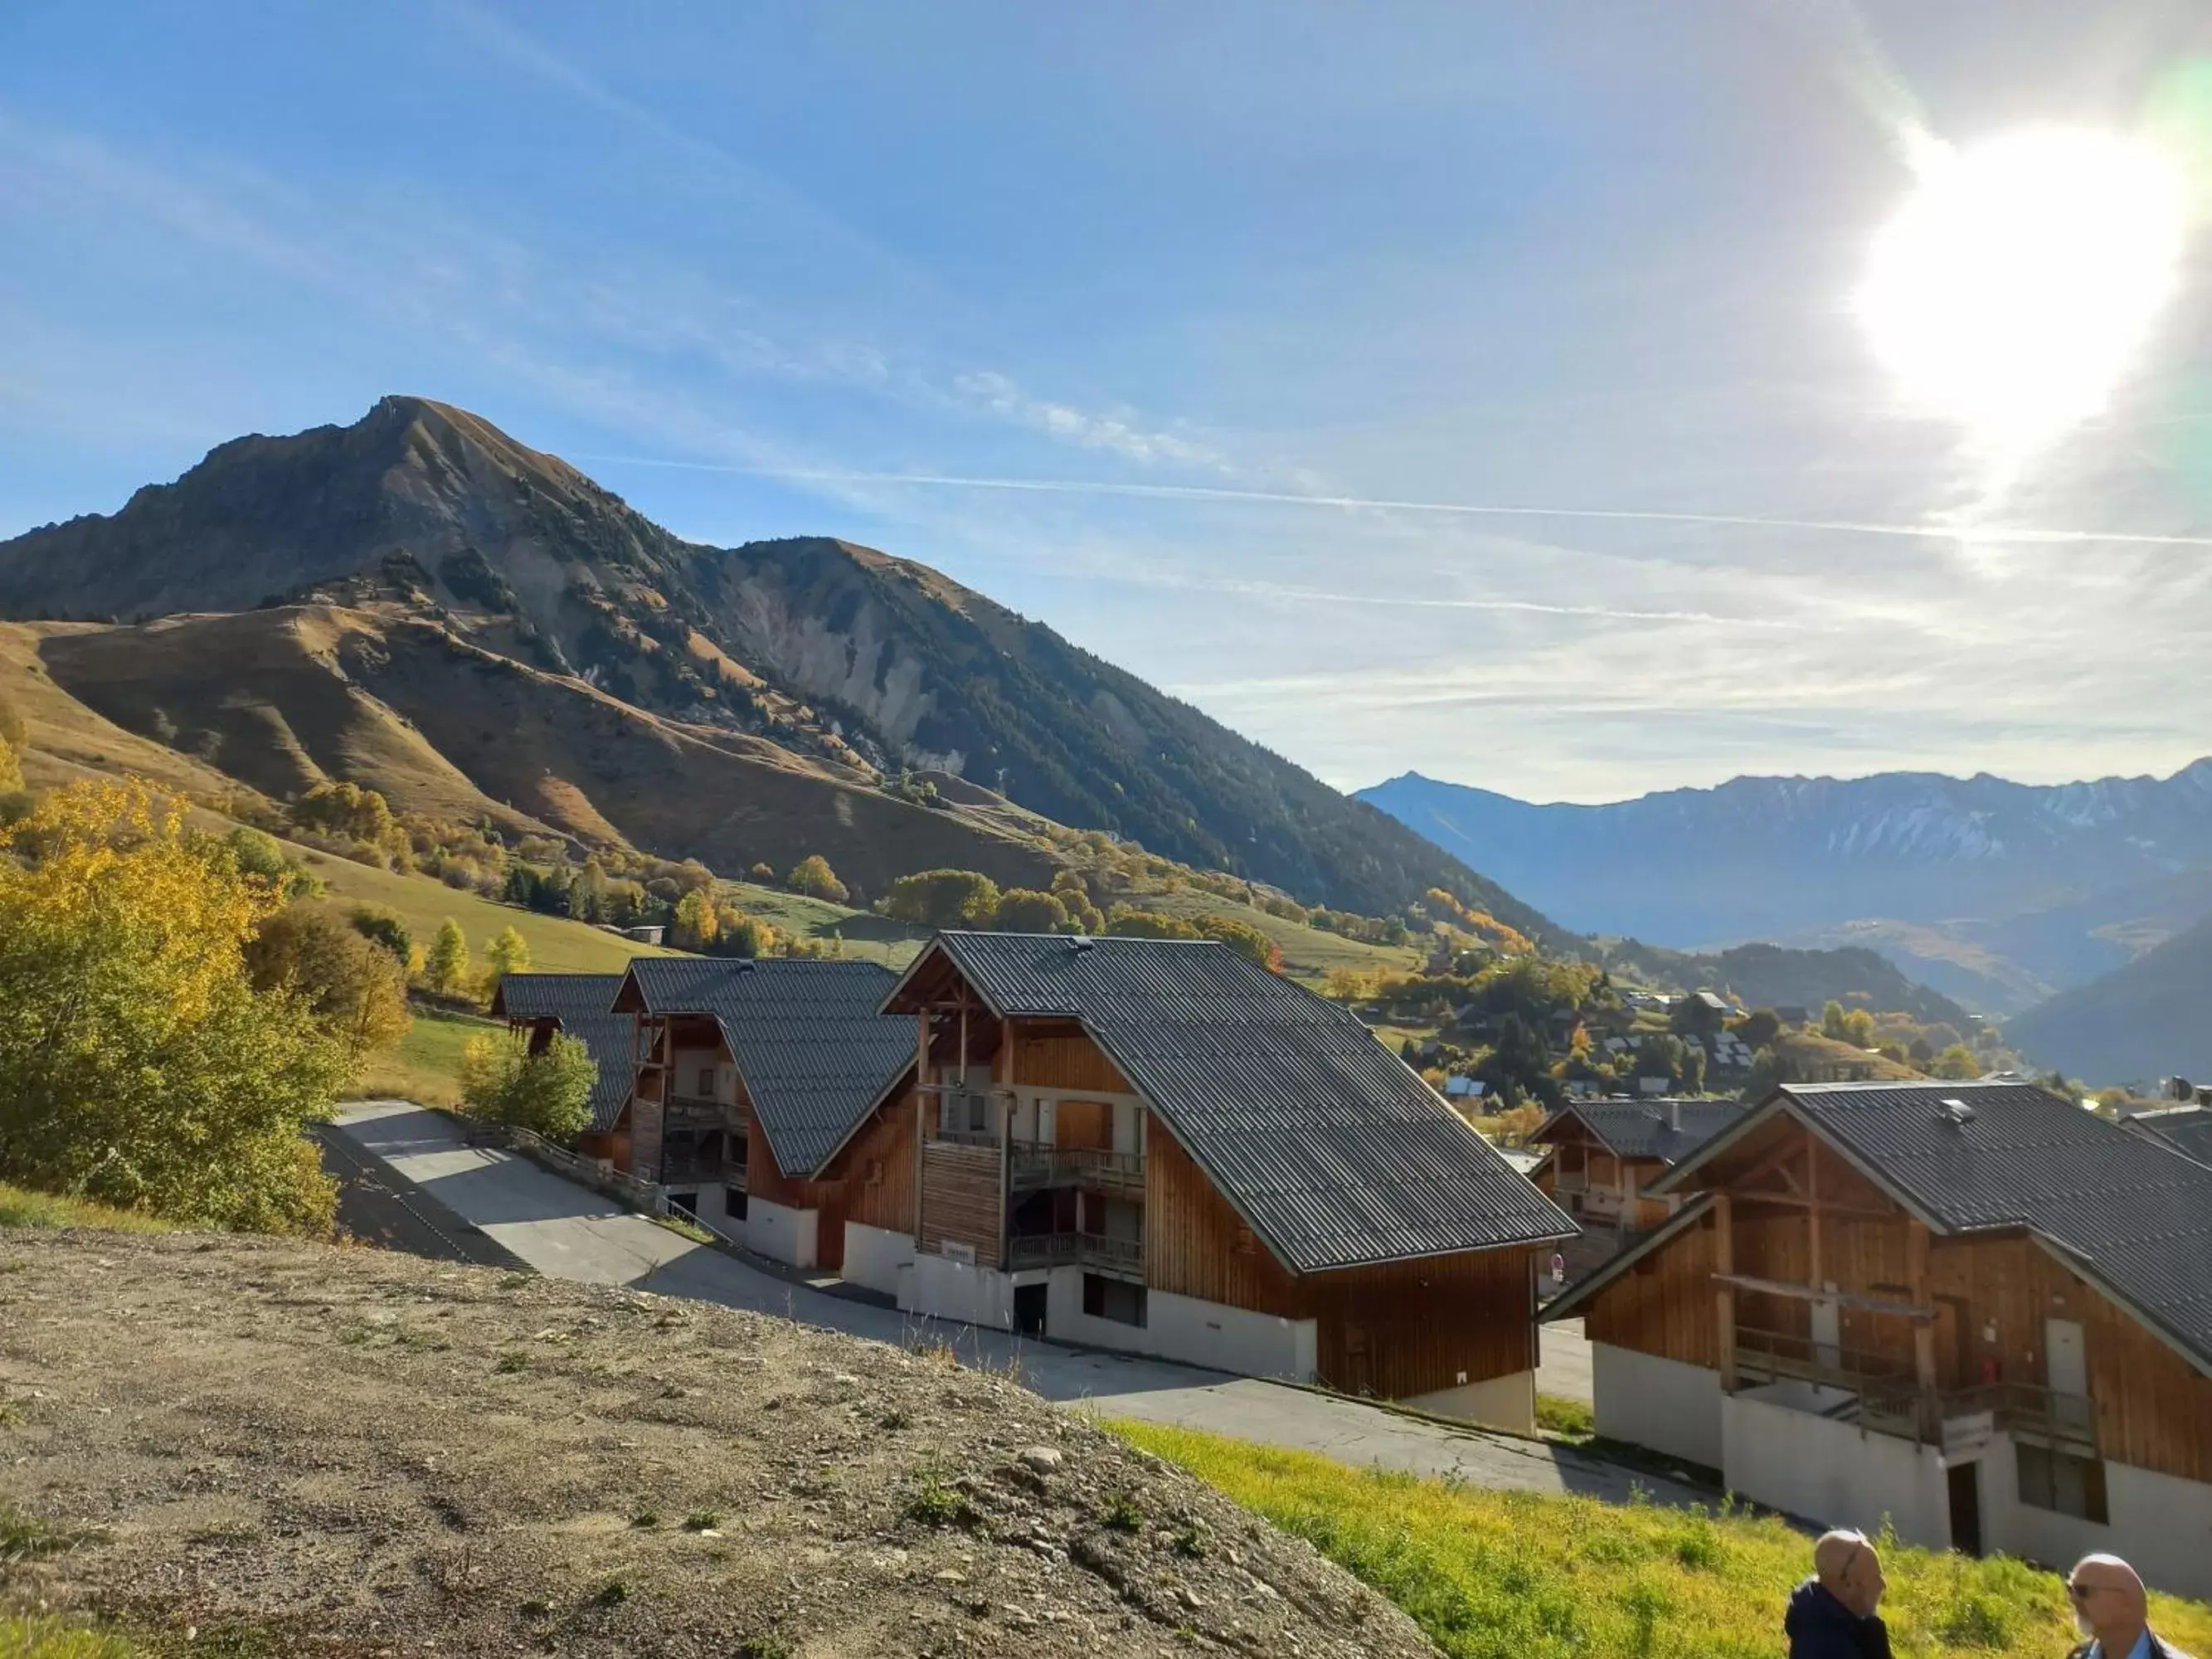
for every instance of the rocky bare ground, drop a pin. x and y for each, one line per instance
(342, 1452)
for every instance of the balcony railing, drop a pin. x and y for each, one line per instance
(1075, 1249)
(685, 1165)
(1034, 1167)
(1890, 1401)
(967, 1137)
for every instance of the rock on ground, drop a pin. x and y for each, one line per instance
(342, 1452)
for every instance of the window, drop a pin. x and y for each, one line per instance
(706, 1083)
(733, 1203)
(1113, 1299)
(2063, 1484)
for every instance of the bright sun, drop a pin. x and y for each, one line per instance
(2021, 278)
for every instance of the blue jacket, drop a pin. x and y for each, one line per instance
(1821, 1627)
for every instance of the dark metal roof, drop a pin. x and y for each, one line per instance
(2187, 1129)
(1335, 1152)
(2121, 1208)
(578, 1004)
(809, 1040)
(1641, 1129)
(564, 997)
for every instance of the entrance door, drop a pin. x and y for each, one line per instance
(2066, 1360)
(1965, 1483)
(1088, 1123)
(1029, 1309)
(1828, 1335)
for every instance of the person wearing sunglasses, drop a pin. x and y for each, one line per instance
(1833, 1615)
(2111, 1609)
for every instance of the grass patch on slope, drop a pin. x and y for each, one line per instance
(51, 1639)
(21, 1208)
(425, 1065)
(1518, 1575)
(557, 945)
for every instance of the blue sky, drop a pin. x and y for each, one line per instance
(1194, 331)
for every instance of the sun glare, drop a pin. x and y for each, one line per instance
(2018, 283)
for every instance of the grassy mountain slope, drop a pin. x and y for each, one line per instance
(833, 652)
(2150, 1018)
(284, 698)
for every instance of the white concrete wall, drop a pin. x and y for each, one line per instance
(2162, 1526)
(873, 1257)
(781, 1233)
(1503, 1402)
(944, 1289)
(1183, 1327)
(1833, 1473)
(1660, 1403)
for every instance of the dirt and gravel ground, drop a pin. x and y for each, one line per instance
(346, 1452)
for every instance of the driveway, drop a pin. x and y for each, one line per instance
(569, 1231)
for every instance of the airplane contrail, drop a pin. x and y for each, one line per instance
(2016, 534)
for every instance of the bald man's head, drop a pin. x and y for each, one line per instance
(2109, 1602)
(1849, 1569)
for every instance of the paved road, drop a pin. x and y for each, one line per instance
(1564, 1366)
(569, 1231)
(379, 1206)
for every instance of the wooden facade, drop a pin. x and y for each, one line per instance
(1397, 1329)
(1799, 1267)
(1587, 1180)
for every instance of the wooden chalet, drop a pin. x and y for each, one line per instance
(750, 1074)
(1156, 1145)
(1972, 1308)
(1604, 1155)
(579, 1005)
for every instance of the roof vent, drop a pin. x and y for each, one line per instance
(1957, 1111)
(1081, 942)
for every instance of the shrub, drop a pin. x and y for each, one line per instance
(140, 1065)
(1025, 910)
(813, 876)
(383, 927)
(355, 990)
(548, 1093)
(942, 898)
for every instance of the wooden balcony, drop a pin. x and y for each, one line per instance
(1116, 1256)
(1033, 1167)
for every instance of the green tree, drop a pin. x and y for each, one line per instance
(1832, 1020)
(1760, 1028)
(746, 935)
(942, 898)
(1858, 1029)
(139, 1066)
(356, 990)
(446, 966)
(548, 1093)
(1692, 1073)
(1958, 1063)
(1025, 910)
(697, 925)
(383, 927)
(509, 953)
(813, 876)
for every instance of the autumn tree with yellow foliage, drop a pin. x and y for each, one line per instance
(139, 1066)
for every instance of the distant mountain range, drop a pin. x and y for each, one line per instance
(419, 602)
(1996, 893)
(2160, 1005)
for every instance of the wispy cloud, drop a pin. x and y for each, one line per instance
(1118, 432)
(2025, 535)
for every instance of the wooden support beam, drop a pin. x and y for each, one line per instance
(1923, 1336)
(1793, 1201)
(1724, 1290)
(1815, 1293)
(920, 1102)
(1812, 1212)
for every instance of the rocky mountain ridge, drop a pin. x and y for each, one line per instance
(861, 661)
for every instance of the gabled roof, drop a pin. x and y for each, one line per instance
(2118, 1207)
(815, 1054)
(2187, 1129)
(1641, 1129)
(1333, 1152)
(578, 1004)
(554, 996)
(1576, 1297)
